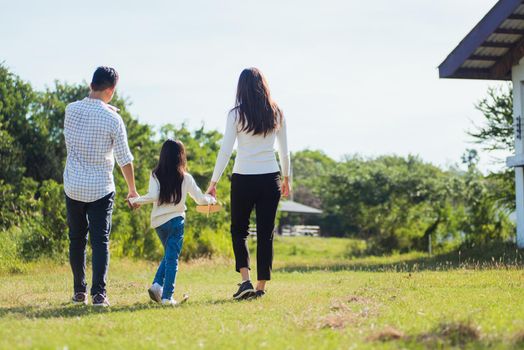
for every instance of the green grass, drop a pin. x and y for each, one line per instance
(319, 299)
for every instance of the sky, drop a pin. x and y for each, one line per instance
(351, 76)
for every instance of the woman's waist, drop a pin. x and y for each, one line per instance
(255, 168)
(255, 154)
(266, 159)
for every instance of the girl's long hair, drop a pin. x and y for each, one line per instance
(257, 112)
(170, 171)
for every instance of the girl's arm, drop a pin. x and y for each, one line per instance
(152, 193)
(226, 149)
(196, 193)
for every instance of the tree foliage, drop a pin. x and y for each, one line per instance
(398, 203)
(497, 133)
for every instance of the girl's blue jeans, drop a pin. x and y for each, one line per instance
(171, 235)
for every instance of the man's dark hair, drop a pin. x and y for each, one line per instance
(103, 78)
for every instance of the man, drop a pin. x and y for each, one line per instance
(94, 134)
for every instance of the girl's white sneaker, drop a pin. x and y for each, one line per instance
(173, 302)
(155, 292)
(169, 302)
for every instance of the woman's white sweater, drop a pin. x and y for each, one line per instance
(255, 154)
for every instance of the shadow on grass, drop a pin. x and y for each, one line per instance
(66, 310)
(219, 302)
(70, 311)
(497, 255)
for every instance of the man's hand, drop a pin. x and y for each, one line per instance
(286, 187)
(129, 175)
(212, 189)
(132, 194)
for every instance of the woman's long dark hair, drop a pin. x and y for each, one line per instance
(170, 171)
(257, 112)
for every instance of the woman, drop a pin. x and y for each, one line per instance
(256, 122)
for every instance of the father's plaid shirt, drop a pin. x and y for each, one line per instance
(92, 130)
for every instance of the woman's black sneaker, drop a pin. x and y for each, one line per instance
(245, 290)
(259, 294)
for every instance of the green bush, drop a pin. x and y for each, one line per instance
(10, 260)
(44, 228)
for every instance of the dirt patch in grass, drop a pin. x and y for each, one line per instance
(454, 333)
(518, 339)
(457, 334)
(387, 334)
(352, 309)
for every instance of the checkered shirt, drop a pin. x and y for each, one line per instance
(93, 130)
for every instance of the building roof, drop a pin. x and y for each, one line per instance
(294, 207)
(492, 47)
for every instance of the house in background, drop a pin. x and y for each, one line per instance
(494, 50)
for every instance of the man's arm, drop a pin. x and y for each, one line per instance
(124, 158)
(129, 174)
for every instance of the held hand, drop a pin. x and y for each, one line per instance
(212, 189)
(286, 187)
(132, 194)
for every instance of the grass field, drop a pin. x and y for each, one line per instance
(320, 298)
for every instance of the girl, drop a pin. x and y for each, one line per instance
(256, 122)
(168, 188)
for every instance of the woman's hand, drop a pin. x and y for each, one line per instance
(286, 186)
(212, 189)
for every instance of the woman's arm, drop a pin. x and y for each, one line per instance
(283, 155)
(196, 193)
(152, 193)
(283, 151)
(226, 149)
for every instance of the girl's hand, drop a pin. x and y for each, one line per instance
(212, 189)
(286, 187)
(131, 205)
(132, 194)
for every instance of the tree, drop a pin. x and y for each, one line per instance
(497, 109)
(394, 202)
(497, 134)
(16, 100)
(309, 171)
(486, 220)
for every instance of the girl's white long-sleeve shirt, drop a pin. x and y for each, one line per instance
(255, 153)
(167, 211)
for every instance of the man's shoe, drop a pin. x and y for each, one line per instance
(155, 292)
(100, 300)
(245, 290)
(80, 298)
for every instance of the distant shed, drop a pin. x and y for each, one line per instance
(294, 207)
(297, 214)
